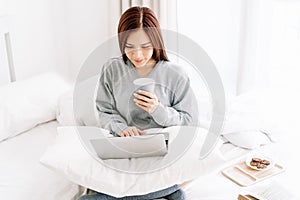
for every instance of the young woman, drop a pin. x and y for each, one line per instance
(126, 112)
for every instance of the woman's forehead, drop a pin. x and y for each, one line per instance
(138, 37)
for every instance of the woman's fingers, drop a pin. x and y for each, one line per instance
(141, 132)
(135, 132)
(145, 93)
(138, 131)
(146, 100)
(132, 131)
(149, 101)
(143, 98)
(142, 106)
(146, 96)
(124, 134)
(146, 104)
(147, 107)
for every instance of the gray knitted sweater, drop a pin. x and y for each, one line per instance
(116, 107)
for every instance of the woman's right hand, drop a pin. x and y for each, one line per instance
(131, 131)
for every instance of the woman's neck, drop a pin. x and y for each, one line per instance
(145, 70)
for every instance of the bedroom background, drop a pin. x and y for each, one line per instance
(254, 44)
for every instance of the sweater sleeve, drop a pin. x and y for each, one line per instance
(183, 109)
(109, 117)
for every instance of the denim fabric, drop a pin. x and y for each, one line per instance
(171, 193)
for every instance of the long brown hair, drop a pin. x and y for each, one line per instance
(141, 17)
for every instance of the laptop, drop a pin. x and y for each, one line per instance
(149, 145)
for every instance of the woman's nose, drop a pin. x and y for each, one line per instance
(137, 52)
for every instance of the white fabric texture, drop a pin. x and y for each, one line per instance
(84, 110)
(21, 174)
(67, 156)
(250, 111)
(65, 114)
(26, 103)
(248, 139)
(250, 120)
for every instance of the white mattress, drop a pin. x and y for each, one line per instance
(21, 174)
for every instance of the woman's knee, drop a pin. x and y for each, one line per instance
(177, 195)
(85, 197)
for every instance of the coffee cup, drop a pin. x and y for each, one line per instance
(146, 84)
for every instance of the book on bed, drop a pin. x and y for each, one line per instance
(274, 191)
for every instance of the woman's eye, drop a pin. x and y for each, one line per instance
(128, 47)
(146, 47)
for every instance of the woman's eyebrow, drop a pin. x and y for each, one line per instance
(141, 44)
(146, 43)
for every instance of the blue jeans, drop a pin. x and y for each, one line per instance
(171, 193)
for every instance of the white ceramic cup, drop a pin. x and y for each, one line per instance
(146, 84)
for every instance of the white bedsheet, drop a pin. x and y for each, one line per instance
(21, 174)
(215, 186)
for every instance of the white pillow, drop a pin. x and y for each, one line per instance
(68, 157)
(84, 110)
(249, 121)
(65, 114)
(248, 139)
(250, 111)
(26, 103)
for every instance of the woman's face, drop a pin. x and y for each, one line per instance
(138, 48)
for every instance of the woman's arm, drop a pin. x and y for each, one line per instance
(183, 109)
(109, 117)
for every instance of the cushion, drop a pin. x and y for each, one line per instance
(70, 158)
(250, 111)
(249, 121)
(65, 114)
(248, 139)
(26, 103)
(82, 110)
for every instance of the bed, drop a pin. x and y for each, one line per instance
(249, 127)
(21, 174)
(27, 127)
(241, 136)
(34, 130)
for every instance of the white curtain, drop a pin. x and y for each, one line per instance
(270, 61)
(253, 70)
(165, 10)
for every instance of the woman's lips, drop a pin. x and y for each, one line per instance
(138, 61)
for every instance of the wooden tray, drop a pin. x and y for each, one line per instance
(244, 176)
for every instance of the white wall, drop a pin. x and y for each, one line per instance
(32, 35)
(59, 34)
(215, 25)
(87, 27)
(54, 35)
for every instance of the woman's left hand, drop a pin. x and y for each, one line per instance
(146, 100)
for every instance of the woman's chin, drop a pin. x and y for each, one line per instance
(139, 65)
